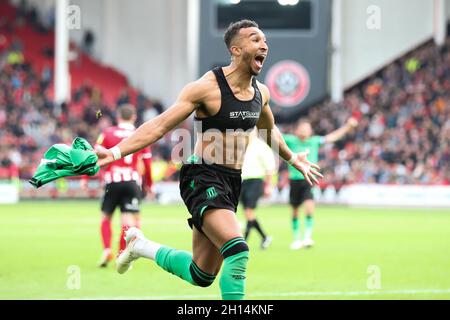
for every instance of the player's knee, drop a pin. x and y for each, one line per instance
(199, 277)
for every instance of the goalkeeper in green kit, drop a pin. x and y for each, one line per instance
(300, 191)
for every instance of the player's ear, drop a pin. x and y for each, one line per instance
(235, 51)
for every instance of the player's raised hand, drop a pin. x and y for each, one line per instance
(104, 155)
(267, 190)
(352, 122)
(307, 168)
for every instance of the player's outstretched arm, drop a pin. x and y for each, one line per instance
(154, 129)
(273, 137)
(341, 132)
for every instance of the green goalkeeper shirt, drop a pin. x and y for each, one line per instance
(62, 161)
(296, 145)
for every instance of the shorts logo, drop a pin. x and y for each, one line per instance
(192, 184)
(244, 115)
(211, 193)
(134, 205)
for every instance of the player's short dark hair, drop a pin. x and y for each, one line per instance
(233, 30)
(303, 121)
(126, 112)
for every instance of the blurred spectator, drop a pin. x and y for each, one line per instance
(88, 42)
(30, 122)
(404, 131)
(403, 136)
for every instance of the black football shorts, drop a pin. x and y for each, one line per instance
(127, 195)
(252, 190)
(299, 192)
(208, 186)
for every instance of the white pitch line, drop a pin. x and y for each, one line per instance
(279, 294)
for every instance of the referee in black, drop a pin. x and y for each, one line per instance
(257, 174)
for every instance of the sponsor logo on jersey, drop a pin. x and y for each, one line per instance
(123, 133)
(244, 115)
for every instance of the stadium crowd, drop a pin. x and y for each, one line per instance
(30, 122)
(403, 135)
(404, 132)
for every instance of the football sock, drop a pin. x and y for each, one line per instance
(309, 223)
(258, 227)
(232, 280)
(106, 233)
(250, 224)
(180, 264)
(296, 228)
(122, 242)
(147, 248)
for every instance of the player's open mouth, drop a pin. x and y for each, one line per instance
(259, 60)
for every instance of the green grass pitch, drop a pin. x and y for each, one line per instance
(360, 253)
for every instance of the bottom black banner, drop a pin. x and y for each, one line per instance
(249, 309)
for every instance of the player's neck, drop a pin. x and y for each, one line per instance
(237, 77)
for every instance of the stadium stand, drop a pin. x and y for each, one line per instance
(404, 111)
(29, 120)
(404, 131)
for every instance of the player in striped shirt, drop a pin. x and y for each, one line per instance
(125, 180)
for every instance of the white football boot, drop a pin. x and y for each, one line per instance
(266, 242)
(106, 257)
(296, 245)
(308, 243)
(127, 256)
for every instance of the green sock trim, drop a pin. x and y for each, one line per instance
(201, 274)
(231, 243)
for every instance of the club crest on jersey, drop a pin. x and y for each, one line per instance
(244, 115)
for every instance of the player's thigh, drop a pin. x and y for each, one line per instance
(309, 206)
(250, 214)
(107, 215)
(205, 254)
(220, 226)
(128, 218)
